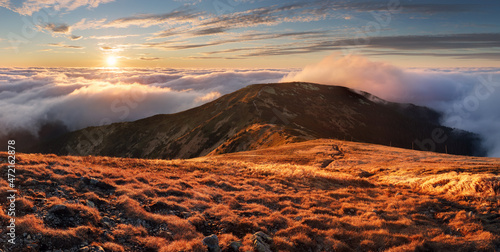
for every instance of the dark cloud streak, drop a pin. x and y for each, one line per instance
(407, 45)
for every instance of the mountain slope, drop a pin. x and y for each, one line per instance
(267, 115)
(320, 195)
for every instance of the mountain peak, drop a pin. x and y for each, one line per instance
(266, 115)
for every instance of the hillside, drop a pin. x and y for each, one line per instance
(267, 115)
(320, 195)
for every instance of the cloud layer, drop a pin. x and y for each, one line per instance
(76, 98)
(468, 97)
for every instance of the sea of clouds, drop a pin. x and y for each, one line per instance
(74, 98)
(81, 97)
(469, 98)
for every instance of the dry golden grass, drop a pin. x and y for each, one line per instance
(322, 195)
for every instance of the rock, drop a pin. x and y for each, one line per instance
(90, 204)
(92, 249)
(98, 249)
(186, 214)
(262, 242)
(98, 183)
(365, 174)
(326, 163)
(94, 181)
(212, 243)
(107, 224)
(234, 246)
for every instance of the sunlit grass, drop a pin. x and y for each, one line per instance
(365, 197)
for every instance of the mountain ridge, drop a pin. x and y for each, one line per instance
(266, 115)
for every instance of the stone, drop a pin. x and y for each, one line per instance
(85, 249)
(235, 246)
(262, 242)
(365, 174)
(99, 249)
(212, 243)
(90, 204)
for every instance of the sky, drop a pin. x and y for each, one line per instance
(247, 33)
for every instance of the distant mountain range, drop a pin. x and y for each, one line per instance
(266, 115)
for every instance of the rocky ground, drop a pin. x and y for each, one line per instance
(322, 195)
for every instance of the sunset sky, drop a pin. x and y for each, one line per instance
(243, 33)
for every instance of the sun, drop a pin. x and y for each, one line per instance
(111, 61)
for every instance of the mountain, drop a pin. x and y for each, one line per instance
(267, 115)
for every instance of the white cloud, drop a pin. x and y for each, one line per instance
(468, 97)
(28, 7)
(113, 37)
(77, 98)
(91, 24)
(208, 97)
(63, 45)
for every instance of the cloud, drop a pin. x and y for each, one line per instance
(83, 24)
(379, 78)
(402, 45)
(150, 58)
(468, 98)
(31, 98)
(75, 37)
(61, 44)
(428, 9)
(428, 42)
(186, 21)
(244, 37)
(28, 7)
(112, 49)
(76, 98)
(210, 31)
(113, 37)
(183, 14)
(457, 55)
(264, 16)
(57, 28)
(436, 8)
(208, 97)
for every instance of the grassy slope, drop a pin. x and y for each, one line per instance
(321, 195)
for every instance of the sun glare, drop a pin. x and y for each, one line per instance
(111, 61)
